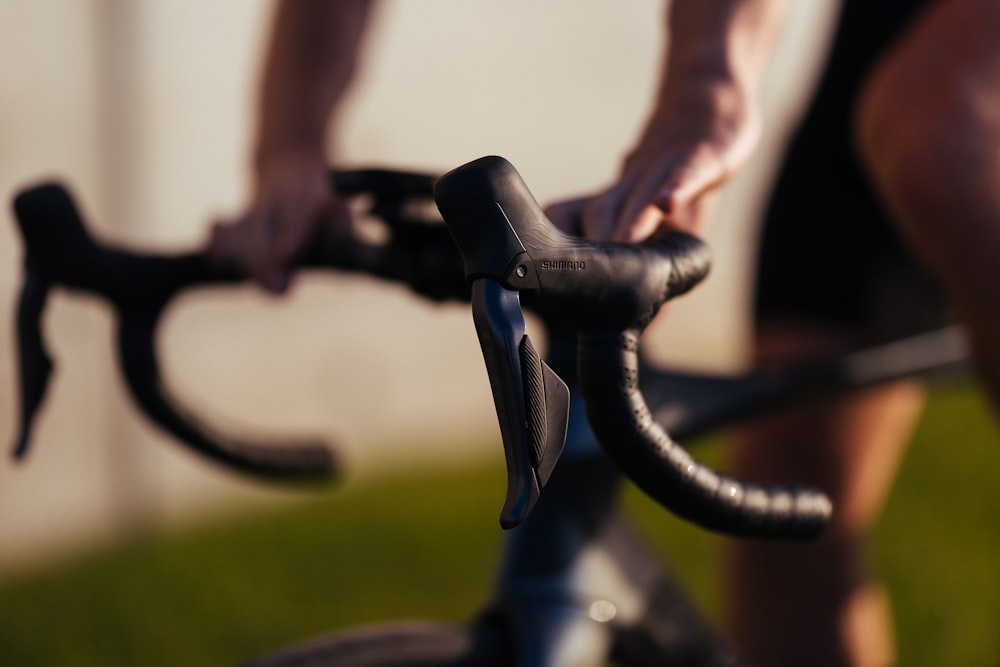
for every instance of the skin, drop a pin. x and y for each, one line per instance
(703, 127)
(310, 61)
(819, 603)
(928, 128)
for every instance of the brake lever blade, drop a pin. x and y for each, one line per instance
(532, 402)
(34, 360)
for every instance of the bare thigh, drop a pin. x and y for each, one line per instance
(928, 126)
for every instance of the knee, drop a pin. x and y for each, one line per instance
(926, 121)
(905, 140)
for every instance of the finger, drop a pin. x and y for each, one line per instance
(293, 227)
(567, 215)
(242, 246)
(221, 244)
(600, 216)
(678, 194)
(258, 249)
(285, 232)
(635, 219)
(703, 170)
(667, 196)
(641, 227)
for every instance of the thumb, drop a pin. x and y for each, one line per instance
(567, 215)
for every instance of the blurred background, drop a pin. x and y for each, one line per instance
(145, 109)
(137, 552)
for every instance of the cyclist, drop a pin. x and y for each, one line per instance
(899, 154)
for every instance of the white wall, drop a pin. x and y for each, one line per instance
(144, 107)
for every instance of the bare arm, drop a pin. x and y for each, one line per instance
(310, 59)
(703, 125)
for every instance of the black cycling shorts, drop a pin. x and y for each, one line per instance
(829, 254)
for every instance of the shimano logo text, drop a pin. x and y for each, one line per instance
(562, 265)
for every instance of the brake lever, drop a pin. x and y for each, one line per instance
(532, 402)
(608, 293)
(35, 362)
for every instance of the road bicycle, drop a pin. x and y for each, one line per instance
(577, 585)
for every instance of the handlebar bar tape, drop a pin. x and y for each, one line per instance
(59, 250)
(621, 419)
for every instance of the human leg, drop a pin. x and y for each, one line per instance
(832, 273)
(819, 604)
(929, 129)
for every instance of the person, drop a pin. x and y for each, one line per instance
(896, 164)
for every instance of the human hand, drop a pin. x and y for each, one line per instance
(292, 202)
(668, 180)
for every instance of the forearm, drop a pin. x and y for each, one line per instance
(716, 49)
(308, 64)
(722, 40)
(310, 60)
(716, 54)
(705, 119)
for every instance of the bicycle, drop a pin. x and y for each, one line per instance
(577, 584)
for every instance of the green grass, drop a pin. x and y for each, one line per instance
(426, 546)
(226, 592)
(938, 546)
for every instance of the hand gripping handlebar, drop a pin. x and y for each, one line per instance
(608, 293)
(59, 251)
